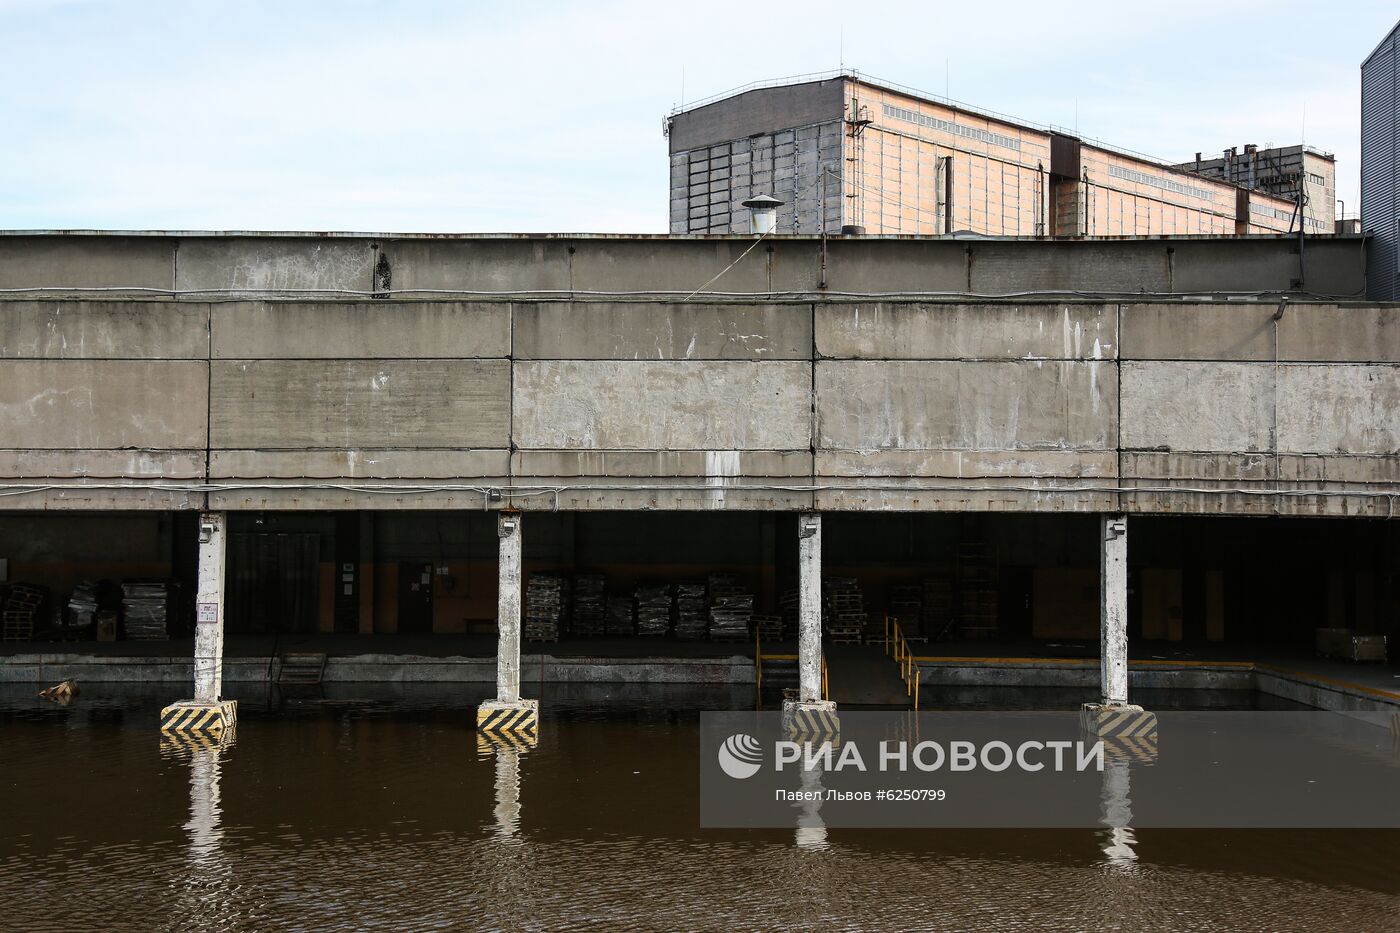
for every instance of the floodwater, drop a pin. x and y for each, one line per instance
(376, 808)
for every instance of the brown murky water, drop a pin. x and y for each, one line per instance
(378, 810)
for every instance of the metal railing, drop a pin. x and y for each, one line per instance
(759, 657)
(897, 647)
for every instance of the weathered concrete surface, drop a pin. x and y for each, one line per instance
(569, 405)
(558, 330)
(1198, 331)
(363, 463)
(1346, 333)
(71, 262)
(1225, 407)
(1339, 409)
(965, 405)
(275, 264)
(349, 403)
(97, 330)
(954, 331)
(103, 404)
(250, 330)
(577, 377)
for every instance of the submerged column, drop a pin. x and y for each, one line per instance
(208, 711)
(508, 712)
(811, 712)
(1113, 715)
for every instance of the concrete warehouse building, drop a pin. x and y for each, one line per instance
(377, 445)
(848, 151)
(1380, 165)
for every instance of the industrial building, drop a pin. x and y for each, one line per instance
(1380, 166)
(845, 151)
(439, 447)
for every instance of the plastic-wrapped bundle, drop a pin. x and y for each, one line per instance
(619, 620)
(691, 623)
(144, 609)
(544, 606)
(653, 610)
(589, 607)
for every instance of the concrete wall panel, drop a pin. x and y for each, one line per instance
(71, 330)
(479, 264)
(1172, 406)
(719, 406)
(59, 262)
(1005, 268)
(655, 331)
(1339, 409)
(965, 405)
(105, 404)
(896, 266)
(360, 463)
(263, 263)
(361, 330)
(1344, 333)
(352, 404)
(1005, 331)
(1198, 331)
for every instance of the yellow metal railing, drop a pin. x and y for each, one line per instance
(897, 647)
(759, 657)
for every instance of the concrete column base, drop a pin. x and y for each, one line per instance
(194, 716)
(500, 716)
(1118, 720)
(815, 720)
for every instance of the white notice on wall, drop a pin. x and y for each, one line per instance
(207, 612)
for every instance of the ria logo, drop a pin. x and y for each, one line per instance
(740, 756)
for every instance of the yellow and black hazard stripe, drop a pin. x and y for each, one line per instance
(1128, 748)
(812, 724)
(1120, 722)
(199, 717)
(507, 719)
(185, 744)
(488, 743)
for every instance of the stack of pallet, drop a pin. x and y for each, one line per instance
(978, 591)
(730, 608)
(769, 628)
(589, 595)
(618, 618)
(691, 623)
(938, 616)
(82, 605)
(907, 605)
(544, 606)
(21, 606)
(845, 610)
(145, 606)
(654, 610)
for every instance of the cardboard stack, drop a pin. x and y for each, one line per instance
(654, 610)
(589, 611)
(544, 606)
(691, 623)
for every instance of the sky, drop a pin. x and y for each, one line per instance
(391, 116)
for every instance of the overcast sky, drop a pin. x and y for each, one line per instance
(458, 116)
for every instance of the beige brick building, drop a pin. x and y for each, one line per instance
(847, 151)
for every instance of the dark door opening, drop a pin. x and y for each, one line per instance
(273, 583)
(415, 597)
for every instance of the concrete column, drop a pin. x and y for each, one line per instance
(1113, 716)
(207, 712)
(809, 716)
(809, 606)
(209, 609)
(1113, 609)
(508, 609)
(508, 713)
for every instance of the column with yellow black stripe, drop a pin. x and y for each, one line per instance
(508, 713)
(1113, 716)
(208, 712)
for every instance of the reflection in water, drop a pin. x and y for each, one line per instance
(383, 816)
(205, 897)
(811, 828)
(508, 794)
(1116, 812)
